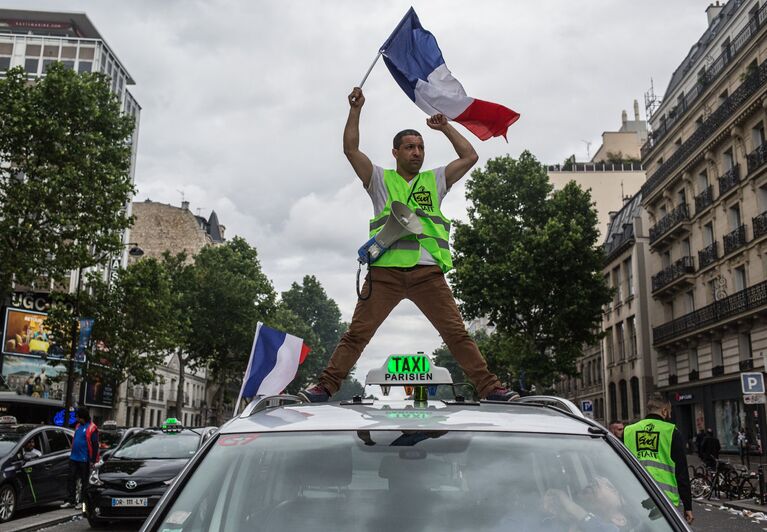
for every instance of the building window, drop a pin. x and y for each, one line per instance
(757, 135)
(617, 284)
(702, 181)
(613, 401)
(708, 234)
(693, 354)
(632, 337)
(716, 353)
(690, 301)
(740, 278)
(728, 159)
(733, 216)
(671, 363)
(744, 346)
(624, 400)
(629, 275)
(620, 341)
(635, 403)
(610, 347)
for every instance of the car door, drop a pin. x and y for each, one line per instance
(58, 459)
(34, 473)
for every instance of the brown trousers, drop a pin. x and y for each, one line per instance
(427, 288)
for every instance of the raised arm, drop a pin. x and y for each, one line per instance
(359, 161)
(467, 157)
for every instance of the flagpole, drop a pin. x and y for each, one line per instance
(364, 79)
(247, 370)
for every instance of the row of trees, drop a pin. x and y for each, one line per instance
(204, 309)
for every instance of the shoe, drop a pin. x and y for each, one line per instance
(501, 394)
(67, 505)
(315, 394)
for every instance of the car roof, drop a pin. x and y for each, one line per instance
(406, 415)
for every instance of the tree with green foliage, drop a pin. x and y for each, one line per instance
(225, 297)
(65, 173)
(131, 330)
(528, 260)
(310, 302)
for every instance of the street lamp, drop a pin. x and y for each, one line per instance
(134, 251)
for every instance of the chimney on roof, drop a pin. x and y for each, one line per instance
(636, 110)
(713, 10)
(185, 205)
(624, 117)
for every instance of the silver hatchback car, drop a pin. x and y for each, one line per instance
(419, 464)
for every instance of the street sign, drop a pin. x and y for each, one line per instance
(755, 399)
(752, 382)
(587, 407)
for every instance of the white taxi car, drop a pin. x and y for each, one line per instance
(420, 464)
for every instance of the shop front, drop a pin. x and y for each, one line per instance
(717, 406)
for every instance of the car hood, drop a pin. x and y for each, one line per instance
(141, 469)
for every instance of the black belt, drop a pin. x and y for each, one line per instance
(409, 269)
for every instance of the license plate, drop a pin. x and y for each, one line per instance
(130, 501)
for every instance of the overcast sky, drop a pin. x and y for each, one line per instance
(244, 104)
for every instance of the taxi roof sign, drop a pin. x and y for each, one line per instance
(407, 370)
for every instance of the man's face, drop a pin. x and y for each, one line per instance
(29, 445)
(617, 430)
(409, 155)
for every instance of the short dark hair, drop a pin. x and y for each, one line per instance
(83, 413)
(404, 133)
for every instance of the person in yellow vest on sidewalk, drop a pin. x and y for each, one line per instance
(659, 447)
(414, 267)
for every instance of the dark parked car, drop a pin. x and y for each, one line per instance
(133, 477)
(110, 436)
(34, 465)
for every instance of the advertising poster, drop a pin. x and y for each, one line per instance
(25, 334)
(36, 378)
(99, 392)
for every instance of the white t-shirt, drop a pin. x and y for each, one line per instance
(379, 195)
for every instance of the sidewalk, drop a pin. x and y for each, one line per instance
(41, 520)
(746, 505)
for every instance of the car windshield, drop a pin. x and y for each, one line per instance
(154, 444)
(411, 480)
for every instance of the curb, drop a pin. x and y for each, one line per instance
(38, 524)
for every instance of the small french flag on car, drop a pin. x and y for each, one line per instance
(274, 361)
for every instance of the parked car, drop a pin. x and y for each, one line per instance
(132, 478)
(110, 436)
(532, 464)
(34, 465)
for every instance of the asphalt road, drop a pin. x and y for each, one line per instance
(708, 518)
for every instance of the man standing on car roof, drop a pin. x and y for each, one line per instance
(660, 448)
(413, 268)
(84, 454)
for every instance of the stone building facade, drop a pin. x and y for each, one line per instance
(706, 196)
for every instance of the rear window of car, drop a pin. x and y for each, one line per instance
(154, 444)
(411, 480)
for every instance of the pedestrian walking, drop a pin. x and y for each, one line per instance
(413, 268)
(742, 440)
(709, 449)
(660, 448)
(699, 440)
(84, 454)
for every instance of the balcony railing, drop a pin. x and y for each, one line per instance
(682, 267)
(735, 240)
(708, 255)
(693, 375)
(746, 300)
(729, 180)
(750, 86)
(673, 379)
(717, 370)
(676, 216)
(746, 364)
(596, 167)
(757, 158)
(760, 224)
(704, 199)
(711, 73)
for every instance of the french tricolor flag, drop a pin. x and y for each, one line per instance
(414, 59)
(273, 363)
